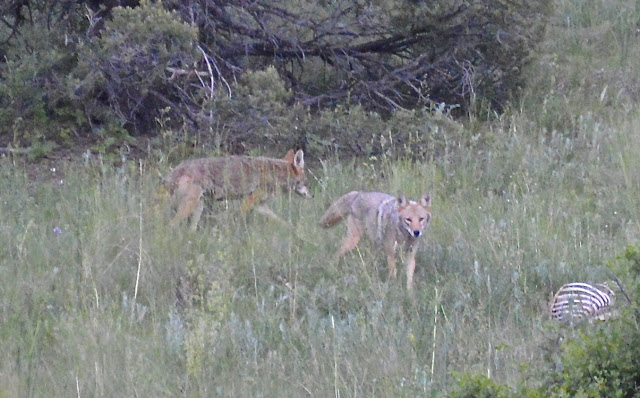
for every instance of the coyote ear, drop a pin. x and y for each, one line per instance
(298, 160)
(402, 200)
(289, 156)
(425, 201)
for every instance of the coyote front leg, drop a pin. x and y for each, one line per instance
(390, 250)
(411, 265)
(255, 200)
(190, 204)
(267, 212)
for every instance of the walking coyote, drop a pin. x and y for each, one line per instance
(394, 223)
(252, 179)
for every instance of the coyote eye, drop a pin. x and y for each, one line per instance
(421, 219)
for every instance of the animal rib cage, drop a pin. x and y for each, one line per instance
(579, 300)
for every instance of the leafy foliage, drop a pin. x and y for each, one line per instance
(382, 55)
(34, 105)
(122, 76)
(477, 386)
(597, 360)
(601, 363)
(57, 84)
(259, 114)
(604, 361)
(607, 362)
(77, 67)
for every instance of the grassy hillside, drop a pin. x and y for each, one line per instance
(98, 297)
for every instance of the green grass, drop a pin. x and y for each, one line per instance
(118, 304)
(267, 310)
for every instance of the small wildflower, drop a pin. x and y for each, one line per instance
(57, 231)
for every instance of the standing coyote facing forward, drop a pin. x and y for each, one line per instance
(253, 179)
(394, 223)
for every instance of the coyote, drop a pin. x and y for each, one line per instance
(387, 220)
(253, 179)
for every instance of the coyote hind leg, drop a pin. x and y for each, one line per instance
(354, 233)
(190, 204)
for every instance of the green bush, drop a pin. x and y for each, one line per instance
(597, 360)
(122, 77)
(259, 113)
(256, 74)
(478, 386)
(56, 84)
(419, 134)
(34, 105)
(603, 360)
(601, 363)
(383, 55)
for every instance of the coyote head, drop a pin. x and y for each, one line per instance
(298, 181)
(414, 216)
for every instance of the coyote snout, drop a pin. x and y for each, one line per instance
(394, 223)
(302, 190)
(252, 179)
(414, 223)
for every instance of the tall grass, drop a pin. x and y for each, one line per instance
(92, 275)
(99, 297)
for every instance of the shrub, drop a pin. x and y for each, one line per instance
(122, 78)
(604, 360)
(478, 386)
(33, 78)
(600, 363)
(258, 112)
(424, 133)
(382, 55)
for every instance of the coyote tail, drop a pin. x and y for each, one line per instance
(339, 210)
